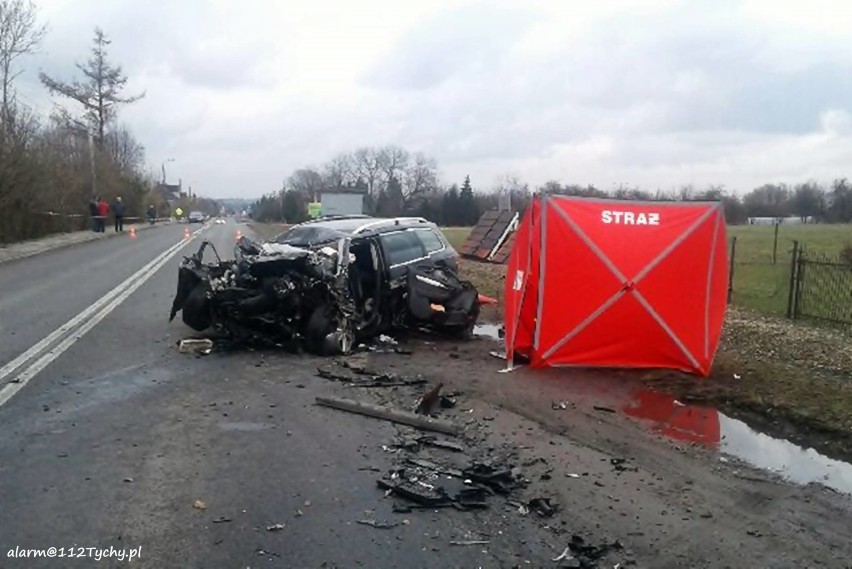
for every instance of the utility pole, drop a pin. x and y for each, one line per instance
(92, 166)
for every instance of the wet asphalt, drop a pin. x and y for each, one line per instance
(123, 442)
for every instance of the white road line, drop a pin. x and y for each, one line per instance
(82, 323)
(73, 323)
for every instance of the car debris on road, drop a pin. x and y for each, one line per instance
(358, 376)
(377, 524)
(201, 346)
(389, 414)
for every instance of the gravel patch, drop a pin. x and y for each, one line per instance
(827, 351)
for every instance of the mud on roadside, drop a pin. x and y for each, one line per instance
(792, 380)
(660, 495)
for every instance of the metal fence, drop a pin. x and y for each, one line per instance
(820, 287)
(759, 275)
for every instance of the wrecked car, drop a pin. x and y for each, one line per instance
(329, 284)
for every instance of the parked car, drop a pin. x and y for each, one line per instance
(329, 284)
(195, 217)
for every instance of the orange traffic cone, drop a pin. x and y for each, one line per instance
(132, 232)
(186, 232)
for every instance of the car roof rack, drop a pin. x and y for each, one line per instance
(378, 223)
(333, 218)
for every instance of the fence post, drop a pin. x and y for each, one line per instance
(775, 245)
(794, 281)
(731, 268)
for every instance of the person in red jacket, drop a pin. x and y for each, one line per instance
(103, 213)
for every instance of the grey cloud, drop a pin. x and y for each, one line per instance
(473, 39)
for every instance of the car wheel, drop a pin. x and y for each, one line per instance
(320, 325)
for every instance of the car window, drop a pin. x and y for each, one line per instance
(402, 247)
(430, 240)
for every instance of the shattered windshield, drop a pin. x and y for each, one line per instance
(308, 236)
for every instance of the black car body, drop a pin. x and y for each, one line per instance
(330, 283)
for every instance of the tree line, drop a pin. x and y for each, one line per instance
(397, 182)
(52, 166)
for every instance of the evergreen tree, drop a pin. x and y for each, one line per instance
(450, 207)
(468, 214)
(99, 92)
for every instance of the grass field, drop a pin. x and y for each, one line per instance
(456, 235)
(763, 286)
(758, 283)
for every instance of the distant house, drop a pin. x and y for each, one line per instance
(792, 220)
(170, 193)
(342, 201)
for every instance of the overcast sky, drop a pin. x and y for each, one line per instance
(651, 93)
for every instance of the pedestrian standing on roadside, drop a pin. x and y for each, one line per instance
(118, 212)
(93, 213)
(103, 214)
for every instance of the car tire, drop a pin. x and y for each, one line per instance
(319, 326)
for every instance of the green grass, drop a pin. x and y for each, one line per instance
(758, 283)
(456, 235)
(267, 230)
(763, 286)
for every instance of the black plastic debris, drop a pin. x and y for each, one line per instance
(500, 479)
(442, 444)
(620, 465)
(421, 495)
(544, 507)
(585, 555)
(428, 465)
(362, 377)
(603, 409)
(429, 399)
(426, 484)
(447, 402)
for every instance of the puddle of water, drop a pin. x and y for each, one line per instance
(687, 423)
(710, 428)
(492, 331)
(791, 461)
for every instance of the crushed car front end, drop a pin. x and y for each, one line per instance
(306, 296)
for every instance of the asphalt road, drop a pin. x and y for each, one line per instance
(112, 442)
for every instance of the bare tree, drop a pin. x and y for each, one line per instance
(421, 176)
(100, 92)
(20, 34)
(368, 168)
(126, 152)
(510, 183)
(392, 160)
(338, 171)
(306, 181)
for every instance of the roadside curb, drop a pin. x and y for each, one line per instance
(8, 253)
